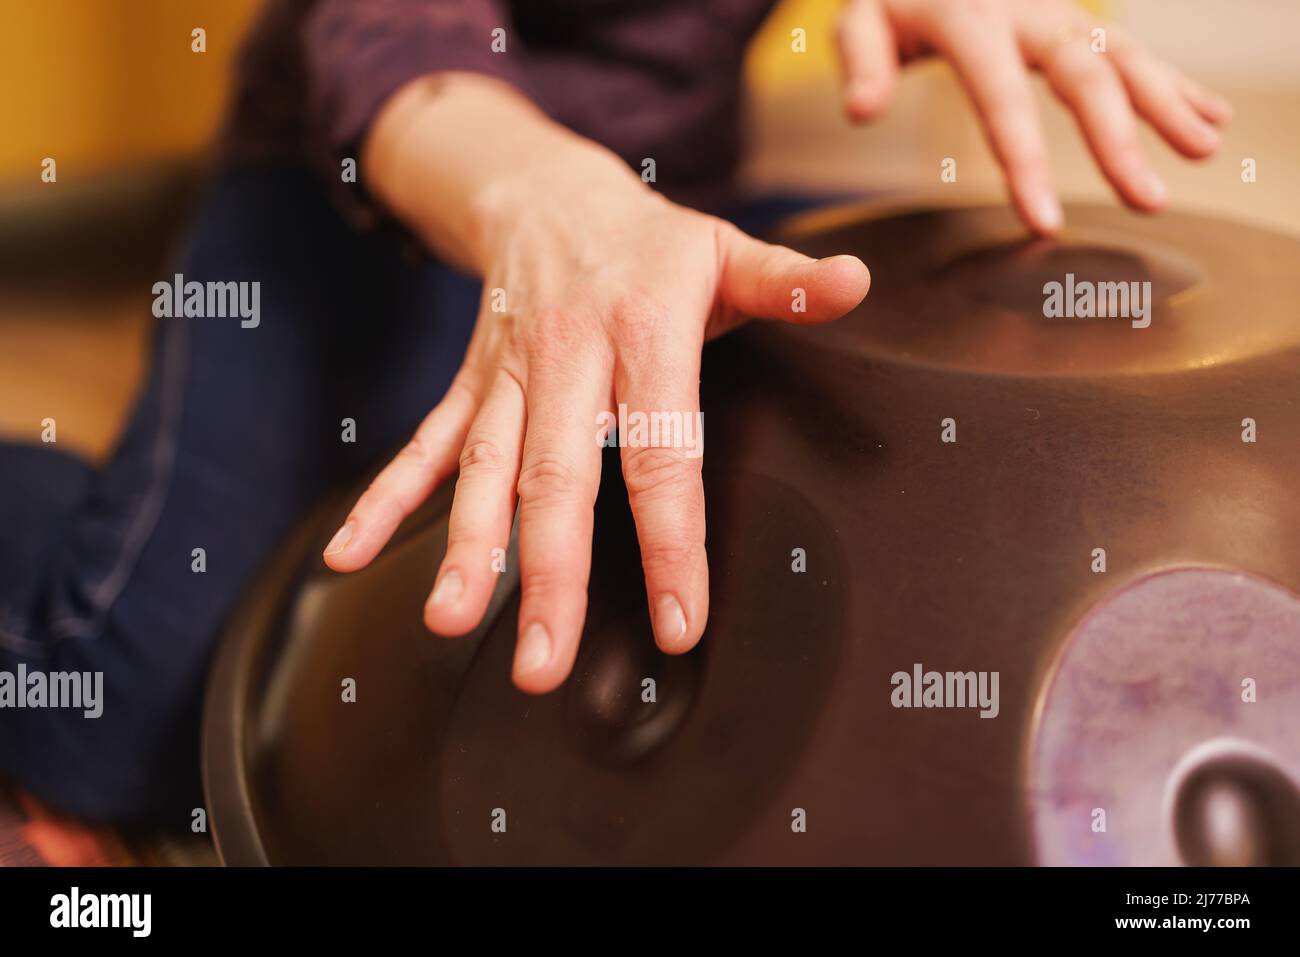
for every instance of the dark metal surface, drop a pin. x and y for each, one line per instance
(975, 555)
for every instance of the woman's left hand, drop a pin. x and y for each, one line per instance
(1102, 75)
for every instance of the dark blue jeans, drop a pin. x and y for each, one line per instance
(236, 435)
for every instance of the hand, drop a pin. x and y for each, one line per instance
(992, 44)
(609, 292)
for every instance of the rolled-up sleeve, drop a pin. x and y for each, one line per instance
(357, 55)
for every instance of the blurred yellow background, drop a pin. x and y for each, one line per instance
(103, 83)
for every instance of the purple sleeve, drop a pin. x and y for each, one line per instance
(357, 54)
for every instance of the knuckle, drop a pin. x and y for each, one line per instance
(664, 552)
(1124, 46)
(724, 229)
(513, 367)
(549, 478)
(1091, 70)
(533, 338)
(1076, 69)
(466, 384)
(415, 453)
(640, 320)
(657, 469)
(551, 337)
(546, 579)
(1011, 97)
(482, 456)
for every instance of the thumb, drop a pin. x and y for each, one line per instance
(762, 281)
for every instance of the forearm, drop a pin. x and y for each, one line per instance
(452, 155)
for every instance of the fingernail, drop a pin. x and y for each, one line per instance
(1047, 210)
(1154, 187)
(534, 650)
(670, 621)
(450, 587)
(341, 538)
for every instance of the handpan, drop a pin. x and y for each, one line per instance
(1000, 574)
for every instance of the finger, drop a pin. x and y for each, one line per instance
(868, 58)
(404, 484)
(481, 513)
(986, 57)
(1157, 93)
(661, 456)
(558, 480)
(1211, 106)
(763, 281)
(1087, 83)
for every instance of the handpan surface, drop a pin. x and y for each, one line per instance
(1118, 689)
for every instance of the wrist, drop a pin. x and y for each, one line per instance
(568, 177)
(460, 158)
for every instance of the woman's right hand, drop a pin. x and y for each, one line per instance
(605, 292)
